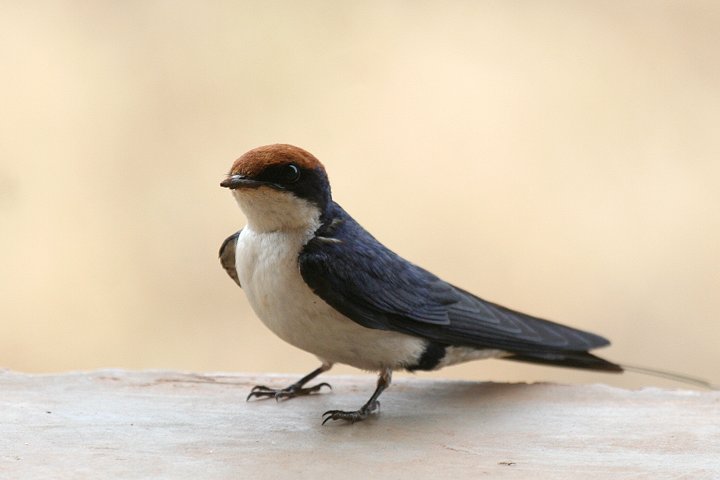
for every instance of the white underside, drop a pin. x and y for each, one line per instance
(269, 274)
(266, 259)
(455, 355)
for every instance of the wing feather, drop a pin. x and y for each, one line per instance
(376, 288)
(227, 256)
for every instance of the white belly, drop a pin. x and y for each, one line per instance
(267, 267)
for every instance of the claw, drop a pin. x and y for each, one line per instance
(320, 385)
(258, 393)
(351, 417)
(292, 391)
(331, 415)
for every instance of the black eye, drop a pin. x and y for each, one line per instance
(289, 174)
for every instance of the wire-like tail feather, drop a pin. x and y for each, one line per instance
(677, 377)
(588, 361)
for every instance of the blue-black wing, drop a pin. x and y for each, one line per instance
(227, 256)
(358, 276)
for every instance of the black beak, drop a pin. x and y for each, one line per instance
(238, 181)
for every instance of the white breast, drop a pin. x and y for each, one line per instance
(267, 265)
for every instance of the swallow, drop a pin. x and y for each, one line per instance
(318, 280)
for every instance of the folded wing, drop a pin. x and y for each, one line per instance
(227, 256)
(354, 273)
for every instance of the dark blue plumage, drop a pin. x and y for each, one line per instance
(360, 277)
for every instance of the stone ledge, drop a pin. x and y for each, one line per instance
(161, 424)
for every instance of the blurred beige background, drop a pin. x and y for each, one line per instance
(559, 157)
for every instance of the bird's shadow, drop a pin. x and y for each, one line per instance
(430, 404)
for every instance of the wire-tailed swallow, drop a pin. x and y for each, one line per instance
(322, 283)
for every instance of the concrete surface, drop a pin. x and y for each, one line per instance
(157, 424)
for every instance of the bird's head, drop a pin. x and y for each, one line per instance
(279, 187)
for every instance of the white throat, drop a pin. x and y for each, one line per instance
(270, 210)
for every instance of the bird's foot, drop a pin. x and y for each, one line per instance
(294, 390)
(352, 417)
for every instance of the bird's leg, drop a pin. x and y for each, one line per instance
(371, 406)
(294, 390)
